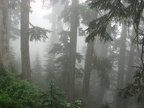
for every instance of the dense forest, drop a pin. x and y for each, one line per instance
(90, 54)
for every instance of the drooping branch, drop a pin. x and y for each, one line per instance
(37, 33)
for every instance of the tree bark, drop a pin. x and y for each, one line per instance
(1, 31)
(129, 73)
(88, 65)
(87, 72)
(102, 88)
(4, 35)
(26, 69)
(100, 97)
(121, 65)
(72, 51)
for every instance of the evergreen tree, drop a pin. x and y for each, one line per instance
(129, 11)
(37, 70)
(25, 58)
(74, 23)
(34, 33)
(121, 64)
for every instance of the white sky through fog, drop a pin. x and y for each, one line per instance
(37, 19)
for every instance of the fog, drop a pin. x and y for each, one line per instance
(71, 54)
(37, 20)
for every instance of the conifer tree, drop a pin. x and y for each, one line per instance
(25, 58)
(131, 12)
(37, 70)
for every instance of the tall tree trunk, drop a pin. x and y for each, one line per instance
(72, 51)
(4, 35)
(102, 88)
(0, 31)
(56, 24)
(87, 72)
(129, 73)
(26, 70)
(54, 36)
(88, 66)
(100, 97)
(121, 64)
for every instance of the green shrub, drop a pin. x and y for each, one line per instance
(53, 97)
(16, 93)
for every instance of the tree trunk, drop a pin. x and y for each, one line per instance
(100, 97)
(26, 70)
(130, 71)
(72, 50)
(121, 64)
(102, 88)
(87, 71)
(88, 65)
(0, 32)
(4, 35)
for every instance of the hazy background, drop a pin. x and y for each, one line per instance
(37, 19)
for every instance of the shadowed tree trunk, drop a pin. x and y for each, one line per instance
(4, 34)
(121, 64)
(88, 66)
(129, 73)
(0, 30)
(26, 70)
(72, 51)
(102, 88)
(87, 72)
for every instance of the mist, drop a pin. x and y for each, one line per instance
(71, 53)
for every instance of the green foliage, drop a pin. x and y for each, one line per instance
(134, 89)
(62, 49)
(114, 10)
(37, 33)
(53, 98)
(96, 28)
(75, 104)
(16, 93)
(103, 66)
(61, 52)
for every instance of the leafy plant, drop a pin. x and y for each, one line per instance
(37, 33)
(75, 104)
(134, 89)
(16, 93)
(53, 98)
